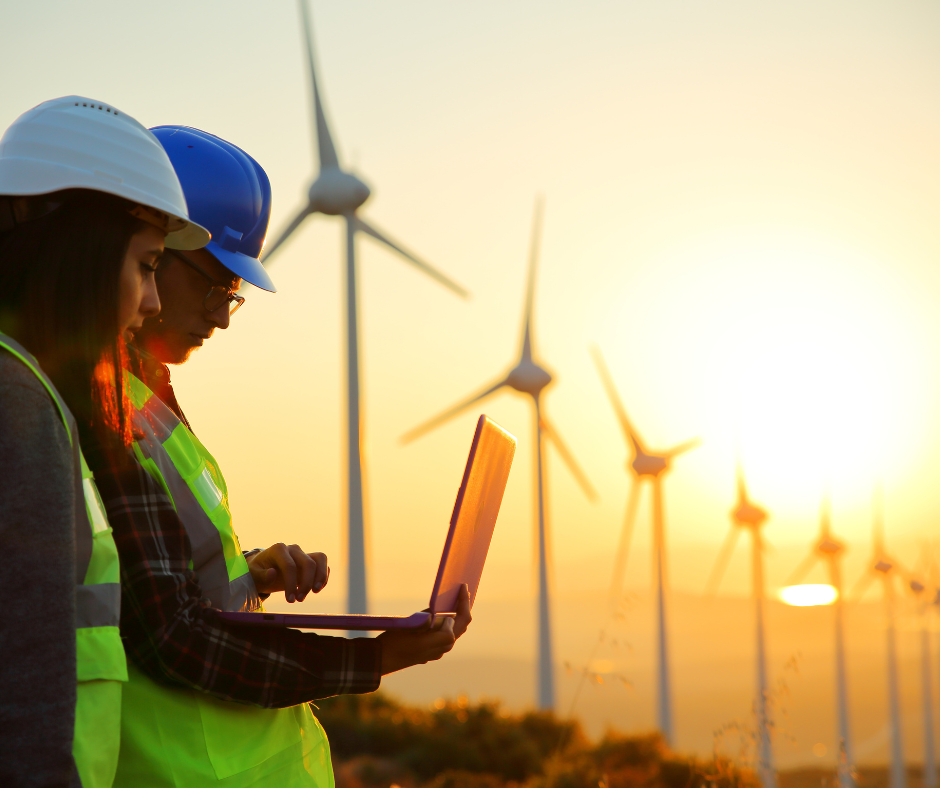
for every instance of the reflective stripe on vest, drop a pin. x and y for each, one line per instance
(101, 665)
(174, 736)
(186, 471)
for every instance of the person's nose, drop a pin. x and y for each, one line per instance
(221, 317)
(150, 299)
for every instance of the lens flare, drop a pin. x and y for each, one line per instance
(808, 595)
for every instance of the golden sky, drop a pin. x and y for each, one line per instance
(741, 211)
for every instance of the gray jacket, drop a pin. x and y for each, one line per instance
(37, 551)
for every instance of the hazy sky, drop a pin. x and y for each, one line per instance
(741, 210)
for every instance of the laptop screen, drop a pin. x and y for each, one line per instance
(474, 517)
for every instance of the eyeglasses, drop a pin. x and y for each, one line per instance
(218, 294)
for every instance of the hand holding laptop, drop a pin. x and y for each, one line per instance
(402, 648)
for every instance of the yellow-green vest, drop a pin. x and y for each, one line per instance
(101, 664)
(175, 736)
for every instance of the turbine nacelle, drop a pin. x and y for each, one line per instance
(829, 546)
(748, 515)
(528, 378)
(917, 587)
(649, 464)
(883, 566)
(335, 192)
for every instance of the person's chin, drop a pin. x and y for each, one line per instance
(177, 351)
(190, 344)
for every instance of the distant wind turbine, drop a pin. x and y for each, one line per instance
(830, 550)
(935, 603)
(884, 567)
(337, 192)
(746, 515)
(531, 379)
(923, 603)
(645, 464)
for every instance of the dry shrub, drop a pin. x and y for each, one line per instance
(378, 742)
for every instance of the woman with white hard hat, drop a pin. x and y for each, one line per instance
(88, 201)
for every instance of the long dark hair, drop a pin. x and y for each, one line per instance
(59, 297)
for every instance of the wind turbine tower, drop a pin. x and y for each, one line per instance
(884, 567)
(646, 465)
(337, 192)
(528, 377)
(747, 516)
(830, 550)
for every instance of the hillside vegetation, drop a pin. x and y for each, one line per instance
(378, 742)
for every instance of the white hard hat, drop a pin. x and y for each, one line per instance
(76, 143)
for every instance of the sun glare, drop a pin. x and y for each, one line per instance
(803, 354)
(808, 595)
(815, 375)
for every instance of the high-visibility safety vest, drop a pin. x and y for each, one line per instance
(175, 736)
(101, 664)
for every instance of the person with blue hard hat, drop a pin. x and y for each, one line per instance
(208, 702)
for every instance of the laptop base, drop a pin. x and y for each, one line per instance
(350, 621)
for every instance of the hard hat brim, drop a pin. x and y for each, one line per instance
(248, 268)
(192, 236)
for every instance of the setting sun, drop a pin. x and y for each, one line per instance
(808, 595)
(796, 352)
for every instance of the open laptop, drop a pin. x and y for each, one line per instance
(465, 548)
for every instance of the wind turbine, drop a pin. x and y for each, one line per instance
(530, 378)
(337, 192)
(645, 465)
(884, 567)
(746, 515)
(918, 590)
(830, 550)
(935, 603)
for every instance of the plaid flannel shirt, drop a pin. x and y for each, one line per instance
(174, 636)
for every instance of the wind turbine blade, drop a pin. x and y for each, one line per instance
(861, 586)
(803, 569)
(623, 548)
(742, 485)
(325, 146)
(450, 413)
(721, 563)
(285, 234)
(682, 448)
(629, 432)
(878, 522)
(527, 341)
(370, 229)
(825, 524)
(568, 457)
(901, 570)
(922, 565)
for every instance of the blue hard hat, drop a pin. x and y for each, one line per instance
(228, 193)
